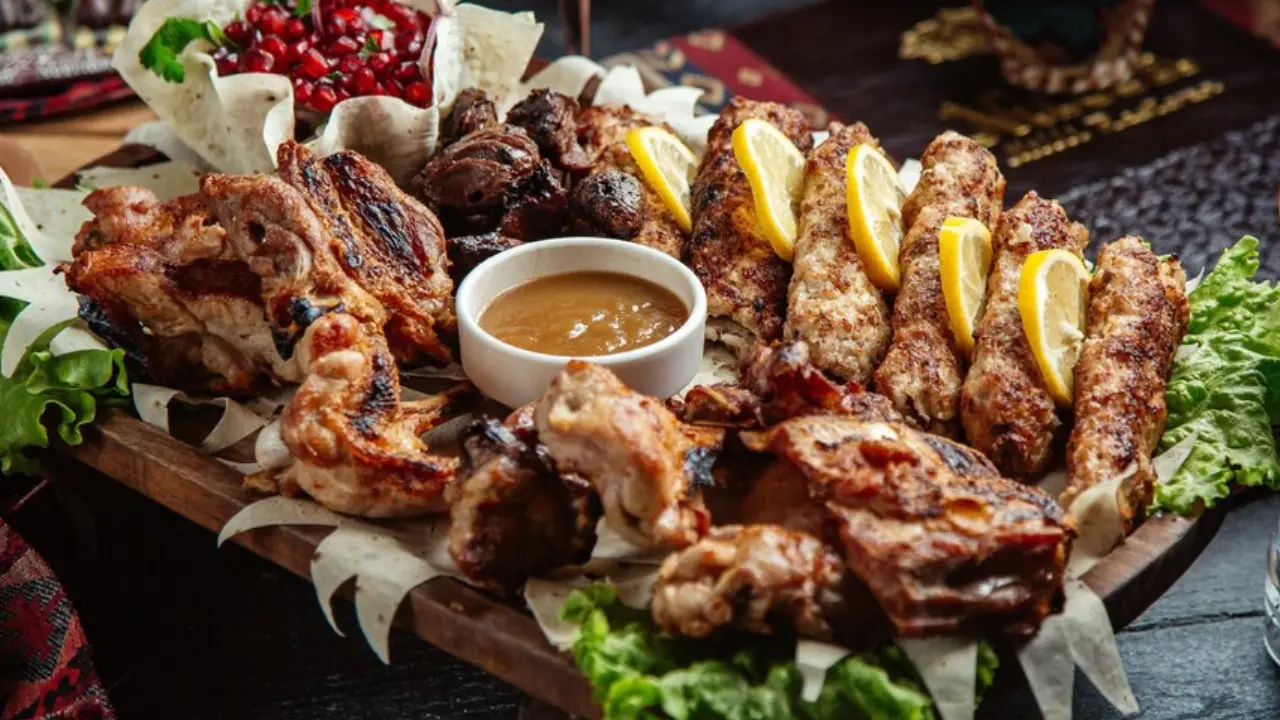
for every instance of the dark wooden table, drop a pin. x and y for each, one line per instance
(183, 630)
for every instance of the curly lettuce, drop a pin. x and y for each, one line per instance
(637, 672)
(1225, 386)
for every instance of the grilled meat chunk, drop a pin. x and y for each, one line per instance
(1138, 313)
(938, 537)
(923, 371)
(614, 200)
(161, 281)
(472, 111)
(513, 515)
(746, 281)
(1007, 411)
(551, 119)
(831, 305)
(646, 466)
(537, 207)
(468, 251)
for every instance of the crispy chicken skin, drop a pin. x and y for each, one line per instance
(745, 280)
(614, 200)
(1007, 411)
(513, 515)
(923, 371)
(749, 578)
(356, 445)
(1138, 313)
(832, 305)
(646, 466)
(938, 537)
(162, 281)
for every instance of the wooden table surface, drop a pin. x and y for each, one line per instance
(62, 145)
(183, 630)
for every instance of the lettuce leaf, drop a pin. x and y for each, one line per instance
(1225, 386)
(637, 672)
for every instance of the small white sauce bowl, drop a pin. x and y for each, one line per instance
(514, 376)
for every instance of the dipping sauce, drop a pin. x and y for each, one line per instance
(582, 314)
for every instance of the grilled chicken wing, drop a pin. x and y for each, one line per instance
(513, 515)
(745, 280)
(646, 466)
(1007, 411)
(938, 537)
(614, 200)
(832, 305)
(161, 281)
(749, 578)
(1138, 313)
(923, 371)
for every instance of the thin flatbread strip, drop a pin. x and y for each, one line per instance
(1138, 313)
(832, 306)
(746, 282)
(923, 371)
(1006, 408)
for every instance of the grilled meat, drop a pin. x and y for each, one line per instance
(614, 200)
(831, 304)
(938, 537)
(161, 281)
(1007, 411)
(472, 111)
(513, 515)
(551, 119)
(537, 207)
(646, 466)
(746, 282)
(468, 251)
(923, 371)
(1138, 313)
(749, 578)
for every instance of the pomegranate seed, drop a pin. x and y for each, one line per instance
(346, 15)
(402, 15)
(344, 45)
(313, 65)
(407, 72)
(363, 81)
(349, 64)
(295, 29)
(409, 44)
(323, 99)
(342, 94)
(253, 14)
(335, 27)
(356, 24)
(274, 47)
(227, 64)
(239, 32)
(417, 93)
(393, 88)
(379, 63)
(296, 50)
(301, 91)
(273, 20)
(256, 60)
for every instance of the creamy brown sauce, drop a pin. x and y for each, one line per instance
(581, 314)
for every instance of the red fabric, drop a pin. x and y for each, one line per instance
(79, 95)
(46, 672)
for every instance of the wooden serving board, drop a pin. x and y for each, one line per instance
(496, 635)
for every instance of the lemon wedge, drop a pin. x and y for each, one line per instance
(964, 249)
(774, 167)
(1053, 297)
(667, 166)
(875, 198)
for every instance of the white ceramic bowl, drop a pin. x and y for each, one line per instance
(514, 376)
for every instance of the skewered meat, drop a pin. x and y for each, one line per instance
(356, 445)
(468, 251)
(513, 515)
(1138, 313)
(614, 200)
(939, 538)
(923, 371)
(646, 466)
(748, 578)
(551, 119)
(1007, 411)
(472, 111)
(832, 305)
(746, 281)
(389, 244)
(161, 281)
